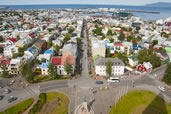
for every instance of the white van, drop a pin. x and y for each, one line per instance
(113, 79)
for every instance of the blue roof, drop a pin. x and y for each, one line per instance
(45, 65)
(49, 51)
(32, 50)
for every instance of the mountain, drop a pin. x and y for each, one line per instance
(159, 4)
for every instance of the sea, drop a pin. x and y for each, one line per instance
(164, 12)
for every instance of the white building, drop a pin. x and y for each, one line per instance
(117, 66)
(10, 50)
(15, 64)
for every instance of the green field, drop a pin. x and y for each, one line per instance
(59, 100)
(141, 102)
(19, 108)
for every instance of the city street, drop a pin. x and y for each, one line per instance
(101, 101)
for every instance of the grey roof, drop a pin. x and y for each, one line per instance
(101, 61)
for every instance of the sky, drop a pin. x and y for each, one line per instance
(109, 2)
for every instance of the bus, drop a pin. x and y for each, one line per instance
(113, 79)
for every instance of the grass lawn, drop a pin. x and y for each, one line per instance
(63, 102)
(141, 102)
(19, 108)
(47, 78)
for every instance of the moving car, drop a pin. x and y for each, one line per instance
(1, 97)
(113, 79)
(11, 99)
(7, 91)
(99, 82)
(161, 88)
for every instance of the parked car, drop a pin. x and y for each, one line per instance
(11, 99)
(161, 88)
(113, 79)
(1, 97)
(99, 82)
(7, 91)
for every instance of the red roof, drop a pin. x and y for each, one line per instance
(118, 44)
(68, 58)
(13, 39)
(6, 62)
(2, 58)
(32, 35)
(56, 60)
(117, 31)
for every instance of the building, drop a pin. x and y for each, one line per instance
(10, 50)
(31, 53)
(117, 66)
(45, 68)
(145, 67)
(41, 45)
(98, 48)
(47, 55)
(60, 62)
(133, 60)
(15, 65)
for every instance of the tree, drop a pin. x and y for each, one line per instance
(52, 71)
(5, 73)
(26, 71)
(108, 68)
(49, 44)
(155, 60)
(167, 75)
(1, 49)
(129, 38)
(57, 48)
(155, 42)
(1, 39)
(143, 56)
(67, 37)
(108, 54)
(121, 36)
(78, 40)
(109, 32)
(68, 67)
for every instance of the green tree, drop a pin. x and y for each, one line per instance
(49, 44)
(108, 68)
(108, 54)
(129, 38)
(68, 68)
(155, 60)
(78, 40)
(57, 48)
(121, 36)
(155, 42)
(1, 49)
(109, 32)
(143, 56)
(52, 71)
(167, 75)
(67, 37)
(1, 39)
(5, 73)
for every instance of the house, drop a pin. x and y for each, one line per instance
(4, 63)
(163, 56)
(47, 55)
(41, 44)
(60, 62)
(118, 46)
(145, 67)
(45, 68)
(127, 47)
(10, 50)
(57, 42)
(22, 42)
(15, 65)
(117, 66)
(133, 60)
(70, 48)
(31, 53)
(98, 48)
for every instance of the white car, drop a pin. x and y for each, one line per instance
(161, 88)
(113, 79)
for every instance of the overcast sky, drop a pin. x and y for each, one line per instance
(110, 2)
